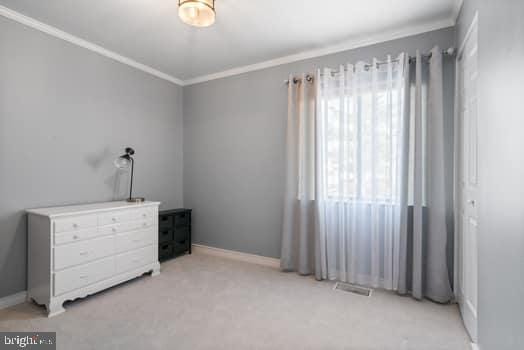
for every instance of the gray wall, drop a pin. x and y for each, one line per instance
(234, 146)
(65, 114)
(501, 171)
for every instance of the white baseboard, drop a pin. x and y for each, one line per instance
(474, 346)
(13, 299)
(232, 254)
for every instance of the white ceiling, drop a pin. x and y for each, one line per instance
(246, 32)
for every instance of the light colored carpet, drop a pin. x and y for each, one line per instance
(205, 302)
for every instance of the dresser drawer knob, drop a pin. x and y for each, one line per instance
(75, 237)
(84, 253)
(75, 225)
(84, 277)
(113, 229)
(144, 224)
(144, 215)
(114, 219)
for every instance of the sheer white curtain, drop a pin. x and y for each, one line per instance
(359, 158)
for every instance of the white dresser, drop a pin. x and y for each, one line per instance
(78, 250)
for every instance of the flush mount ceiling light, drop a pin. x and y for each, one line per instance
(198, 13)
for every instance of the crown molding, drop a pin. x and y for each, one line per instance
(345, 46)
(473, 26)
(456, 9)
(45, 28)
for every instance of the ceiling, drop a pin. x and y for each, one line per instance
(246, 32)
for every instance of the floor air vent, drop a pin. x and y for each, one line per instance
(346, 287)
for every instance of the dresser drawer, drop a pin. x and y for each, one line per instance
(165, 235)
(76, 236)
(75, 223)
(182, 219)
(77, 277)
(142, 214)
(123, 216)
(165, 221)
(134, 259)
(125, 227)
(180, 247)
(181, 233)
(165, 251)
(113, 217)
(136, 225)
(134, 240)
(82, 252)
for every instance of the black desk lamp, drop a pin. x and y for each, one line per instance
(123, 162)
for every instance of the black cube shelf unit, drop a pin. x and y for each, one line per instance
(174, 233)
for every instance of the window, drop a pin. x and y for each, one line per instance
(360, 135)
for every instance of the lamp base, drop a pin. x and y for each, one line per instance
(136, 199)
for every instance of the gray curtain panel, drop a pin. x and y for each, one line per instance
(424, 230)
(299, 238)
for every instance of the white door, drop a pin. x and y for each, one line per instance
(468, 181)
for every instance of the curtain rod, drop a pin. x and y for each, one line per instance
(450, 52)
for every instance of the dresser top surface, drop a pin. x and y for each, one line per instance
(174, 211)
(88, 208)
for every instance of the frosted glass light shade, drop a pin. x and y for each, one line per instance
(198, 13)
(122, 163)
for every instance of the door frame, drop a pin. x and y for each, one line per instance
(458, 198)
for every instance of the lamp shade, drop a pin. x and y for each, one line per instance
(198, 13)
(122, 162)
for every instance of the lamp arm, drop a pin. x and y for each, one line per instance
(131, 184)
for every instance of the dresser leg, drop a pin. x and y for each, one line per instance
(54, 308)
(156, 271)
